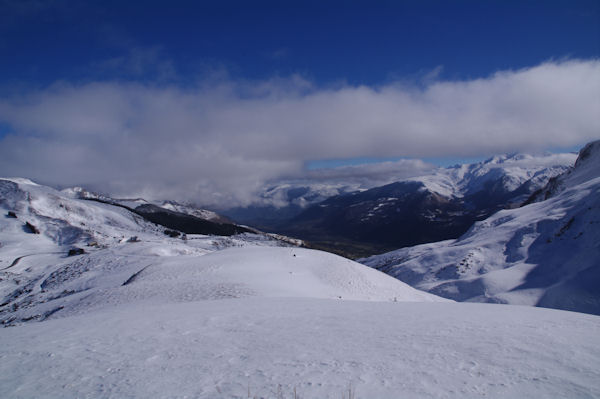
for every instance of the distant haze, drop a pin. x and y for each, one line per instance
(221, 139)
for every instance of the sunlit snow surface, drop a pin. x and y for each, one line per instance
(249, 316)
(319, 347)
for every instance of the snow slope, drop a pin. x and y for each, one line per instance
(65, 220)
(305, 348)
(167, 273)
(544, 254)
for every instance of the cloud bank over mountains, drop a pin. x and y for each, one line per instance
(221, 139)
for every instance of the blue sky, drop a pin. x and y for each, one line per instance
(360, 42)
(238, 93)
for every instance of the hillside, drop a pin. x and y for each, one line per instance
(543, 254)
(170, 214)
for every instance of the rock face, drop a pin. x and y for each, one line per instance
(545, 253)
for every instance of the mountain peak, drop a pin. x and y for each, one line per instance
(590, 154)
(586, 168)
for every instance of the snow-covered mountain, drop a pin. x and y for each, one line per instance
(193, 211)
(433, 207)
(500, 178)
(143, 314)
(42, 226)
(279, 201)
(546, 253)
(64, 220)
(284, 203)
(134, 203)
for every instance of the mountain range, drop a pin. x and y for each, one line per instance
(438, 205)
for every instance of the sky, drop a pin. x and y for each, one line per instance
(209, 101)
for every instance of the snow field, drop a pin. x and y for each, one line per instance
(320, 347)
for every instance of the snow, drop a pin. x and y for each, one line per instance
(319, 348)
(303, 193)
(587, 166)
(190, 210)
(132, 203)
(542, 254)
(167, 272)
(67, 220)
(512, 170)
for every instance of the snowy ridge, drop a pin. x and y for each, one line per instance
(81, 193)
(303, 193)
(510, 171)
(191, 210)
(66, 220)
(543, 254)
(169, 272)
(586, 168)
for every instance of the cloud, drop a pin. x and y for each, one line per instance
(368, 175)
(219, 141)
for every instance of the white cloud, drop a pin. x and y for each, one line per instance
(219, 141)
(370, 174)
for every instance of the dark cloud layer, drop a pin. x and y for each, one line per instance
(221, 140)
